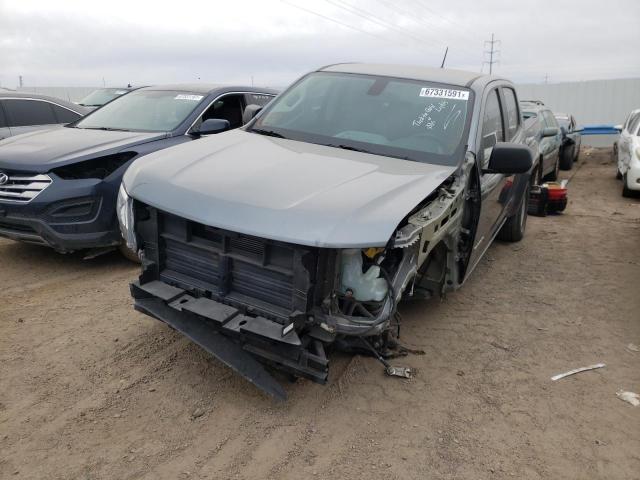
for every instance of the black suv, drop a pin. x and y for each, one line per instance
(58, 187)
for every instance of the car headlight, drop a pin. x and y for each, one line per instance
(124, 209)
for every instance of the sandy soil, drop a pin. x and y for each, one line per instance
(90, 389)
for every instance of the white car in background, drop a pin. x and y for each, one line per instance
(627, 152)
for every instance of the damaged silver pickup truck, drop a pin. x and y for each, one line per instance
(359, 186)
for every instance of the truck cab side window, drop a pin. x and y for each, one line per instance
(492, 126)
(513, 114)
(24, 113)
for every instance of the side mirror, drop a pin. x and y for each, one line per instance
(618, 127)
(564, 131)
(250, 111)
(549, 132)
(510, 159)
(213, 125)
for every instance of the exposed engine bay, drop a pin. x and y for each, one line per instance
(245, 298)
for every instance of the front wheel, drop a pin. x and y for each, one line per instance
(513, 228)
(566, 159)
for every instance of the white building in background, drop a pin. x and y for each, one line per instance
(591, 102)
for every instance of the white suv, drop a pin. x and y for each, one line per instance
(628, 154)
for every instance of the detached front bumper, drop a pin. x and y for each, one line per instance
(242, 342)
(68, 215)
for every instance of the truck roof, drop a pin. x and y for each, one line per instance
(414, 72)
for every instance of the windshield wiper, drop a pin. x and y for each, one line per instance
(349, 147)
(107, 129)
(268, 133)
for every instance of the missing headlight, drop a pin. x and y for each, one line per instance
(100, 167)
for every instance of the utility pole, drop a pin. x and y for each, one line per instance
(546, 78)
(492, 52)
(20, 80)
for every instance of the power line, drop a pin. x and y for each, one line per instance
(433, 12)
(414, 17)
(421, 20)
(492, 52)
(334, 20)
(375, 19)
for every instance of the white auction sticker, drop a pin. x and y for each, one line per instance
(193, 98)
(444, 93)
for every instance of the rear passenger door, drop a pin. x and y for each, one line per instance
(4, 126)
(25, 115)
(492, 184)
(551, 144)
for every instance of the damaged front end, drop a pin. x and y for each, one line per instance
(251, 301)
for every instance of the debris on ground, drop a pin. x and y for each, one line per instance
(197, 413)
(629, 397)
(577, 370)
(633, 347)
(404, 372)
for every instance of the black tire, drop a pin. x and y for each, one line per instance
(618, 174)
(513, 229)
(566, 157)
(128, 253)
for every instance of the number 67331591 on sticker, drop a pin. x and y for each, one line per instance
(444, 93)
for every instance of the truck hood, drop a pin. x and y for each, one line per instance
(44, 150)
(283, 189)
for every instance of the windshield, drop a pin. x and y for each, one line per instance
(563, 121)
(144, 110)
(409, 119)
(102, 96)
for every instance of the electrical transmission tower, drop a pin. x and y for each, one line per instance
(492, 52)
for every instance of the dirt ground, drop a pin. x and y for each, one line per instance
(90, 389)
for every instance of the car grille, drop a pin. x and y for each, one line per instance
(22, 187)
(245, 271)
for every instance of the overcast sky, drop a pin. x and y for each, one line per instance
(80, 43)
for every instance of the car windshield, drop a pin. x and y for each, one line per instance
(144, 110)
(563, 121)
(102, 96)
(409, 119)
